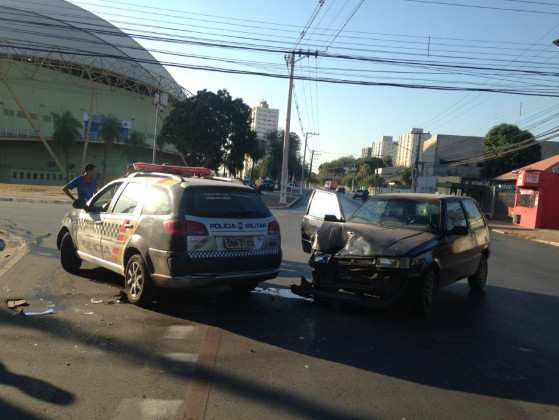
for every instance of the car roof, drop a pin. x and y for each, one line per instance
(172, 180)
(420, 196)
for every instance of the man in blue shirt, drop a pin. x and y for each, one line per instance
(85, 183)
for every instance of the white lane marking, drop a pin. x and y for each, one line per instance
(182, 357)
(283, 293)
(148, 409)
(179, 332)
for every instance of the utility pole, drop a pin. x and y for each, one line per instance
(310, 166)
(307, 134)
(157, 101)
(416, 163)
(284, 163)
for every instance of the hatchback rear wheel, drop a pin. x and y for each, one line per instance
(138, 285)
(478, 281)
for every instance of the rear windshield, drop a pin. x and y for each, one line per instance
(224, 202)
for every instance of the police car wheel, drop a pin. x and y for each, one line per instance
(69, 259)
(138, 285)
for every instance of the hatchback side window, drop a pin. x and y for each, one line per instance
(102, 201)
(324, 203)
(130, 198)
(474, 216)
(455, 215)
(157, 202)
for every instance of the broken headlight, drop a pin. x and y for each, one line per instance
(384, 262)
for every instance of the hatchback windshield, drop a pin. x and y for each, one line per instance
(399, 212)
(224, 202)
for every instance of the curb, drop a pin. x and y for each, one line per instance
(541, 241)
(288, 205)
(20, 252)
(34, 201)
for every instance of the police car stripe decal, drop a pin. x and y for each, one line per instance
(232, 254)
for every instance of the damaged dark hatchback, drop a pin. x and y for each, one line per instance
(393, 247)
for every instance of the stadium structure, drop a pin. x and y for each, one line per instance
(57, 57)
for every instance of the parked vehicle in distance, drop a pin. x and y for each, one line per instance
(292, 187)
(330, 184)
(167, 230)
(359, 194)
(268, 185)
(392, 247)
(340, 190)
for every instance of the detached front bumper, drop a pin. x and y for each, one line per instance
(203, 280)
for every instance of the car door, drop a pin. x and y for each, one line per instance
(88, 234)
(479, 232)
(455, 252)
(322, 203)
(121, 221)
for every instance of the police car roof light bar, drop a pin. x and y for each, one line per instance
(172, 169)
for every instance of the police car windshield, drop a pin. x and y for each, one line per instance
(224, 203)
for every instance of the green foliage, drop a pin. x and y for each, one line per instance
(406, 177)
(109, 133)
(210, 129)
(504, 135)
(135, 143)
(67, 130)
(270, 166)
(350, 171)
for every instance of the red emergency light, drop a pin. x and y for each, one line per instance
(172, 169)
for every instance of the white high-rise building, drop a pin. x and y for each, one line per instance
(366, 152)
(407, 147)
(383, 148)
(264, 120)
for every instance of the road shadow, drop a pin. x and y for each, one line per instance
(294, 269)
(100, 275)
(35, 388)
(503, 343)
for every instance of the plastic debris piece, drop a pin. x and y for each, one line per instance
(89, 313)
(95, 300)
(306, 366)
(301, 338)
(16, 303)
(47, 312)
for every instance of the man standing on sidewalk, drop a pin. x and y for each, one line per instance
(85, 183)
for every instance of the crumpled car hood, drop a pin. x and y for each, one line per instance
(359, 240)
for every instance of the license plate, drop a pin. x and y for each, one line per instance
(238, 243)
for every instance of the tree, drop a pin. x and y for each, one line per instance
(67, 130)
(135, 144)
(406, 177)
(271, 165)
(210, 129)
(109, 133)
(504, 135)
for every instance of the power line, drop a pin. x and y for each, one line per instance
(342, 27)
(478, 6)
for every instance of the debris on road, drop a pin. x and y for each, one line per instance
(89, 313)
(2, 244)
(47, 312)
(95, 300)
(120, 298)
(278, 292)
(16, 303)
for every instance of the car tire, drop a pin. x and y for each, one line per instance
(478, 281)
(425, 294)
(69, 258)
(138, 285)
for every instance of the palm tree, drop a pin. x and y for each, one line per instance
(67, 130)
(135, 143)
(109, 133)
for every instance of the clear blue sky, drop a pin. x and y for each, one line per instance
(352, 117)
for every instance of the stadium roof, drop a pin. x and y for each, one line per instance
(59, 30)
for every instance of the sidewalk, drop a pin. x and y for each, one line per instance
(33, 193)
(272, 199)
(545, 236)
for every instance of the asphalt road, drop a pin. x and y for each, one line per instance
(273, 355)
